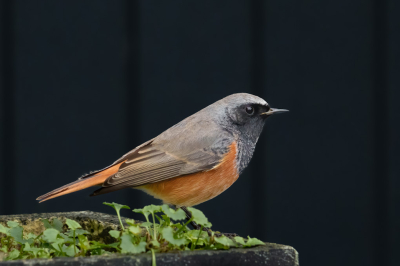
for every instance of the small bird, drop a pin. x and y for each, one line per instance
(191, 162)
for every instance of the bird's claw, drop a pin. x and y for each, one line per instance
(230, 235)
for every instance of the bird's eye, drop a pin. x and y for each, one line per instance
(250, 110)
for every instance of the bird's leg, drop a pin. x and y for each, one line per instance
(194, 224)
(198, 227)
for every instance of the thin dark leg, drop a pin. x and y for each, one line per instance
(188, 216)
(198, 227)
(194, 224)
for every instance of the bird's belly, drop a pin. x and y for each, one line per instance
(193, 189)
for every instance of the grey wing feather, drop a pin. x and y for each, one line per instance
(154, 165)
(166, 157)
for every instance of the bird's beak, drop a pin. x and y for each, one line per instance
(274, 111)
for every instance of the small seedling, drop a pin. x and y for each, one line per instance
(117, 207)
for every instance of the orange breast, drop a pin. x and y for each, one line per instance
(193, 189)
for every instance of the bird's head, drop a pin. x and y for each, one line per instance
(247, 113)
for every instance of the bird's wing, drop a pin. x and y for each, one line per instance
(166, 157)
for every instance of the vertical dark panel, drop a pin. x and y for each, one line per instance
(133, 78)
(393, 85)
(2, 109)
(258, 73)
(71, 98)
(193, 54)
(320, 166)
(380, 116)
(7, 114)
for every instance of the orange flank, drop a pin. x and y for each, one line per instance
(193, 189)
(80, 184)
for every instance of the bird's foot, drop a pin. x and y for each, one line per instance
(208, 230)
(198, 227)
(217, 234)
(230, 235)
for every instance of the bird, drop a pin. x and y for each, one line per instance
(192, 161)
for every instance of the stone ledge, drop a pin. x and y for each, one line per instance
(99, 224)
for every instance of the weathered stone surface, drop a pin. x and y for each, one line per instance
(99, 224)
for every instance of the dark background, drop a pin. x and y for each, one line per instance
(83, 82)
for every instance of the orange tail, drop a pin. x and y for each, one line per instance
(96, 179)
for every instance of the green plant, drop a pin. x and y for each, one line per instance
(162, 234)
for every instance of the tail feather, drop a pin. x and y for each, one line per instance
(97, 179)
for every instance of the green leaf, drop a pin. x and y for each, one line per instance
(135, 229)
(113, 245)
(147, 224)
(50, 235)
(197, 237)
(225, 241)
(46, 224)
(253, 242)
(114, 233)
(31, 236)
(73, 225)
(127, 245)
(4, 230)
(58, 242)
(32, 250)
(199, 217)
(194, 234)
(168, 235)
(176, 215)
(58, 225)
(44, 253)
(56, 246)
(66, 238)
(239, 240)
(12, 224)
(97, 245)
(83, 243)
(77, 232)
(13, 255)
(69, 250)
(17, 234)
(166, 219)
(150, 209)
(117, 207)
(155, 243)
(130, 221)
(98, 252)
